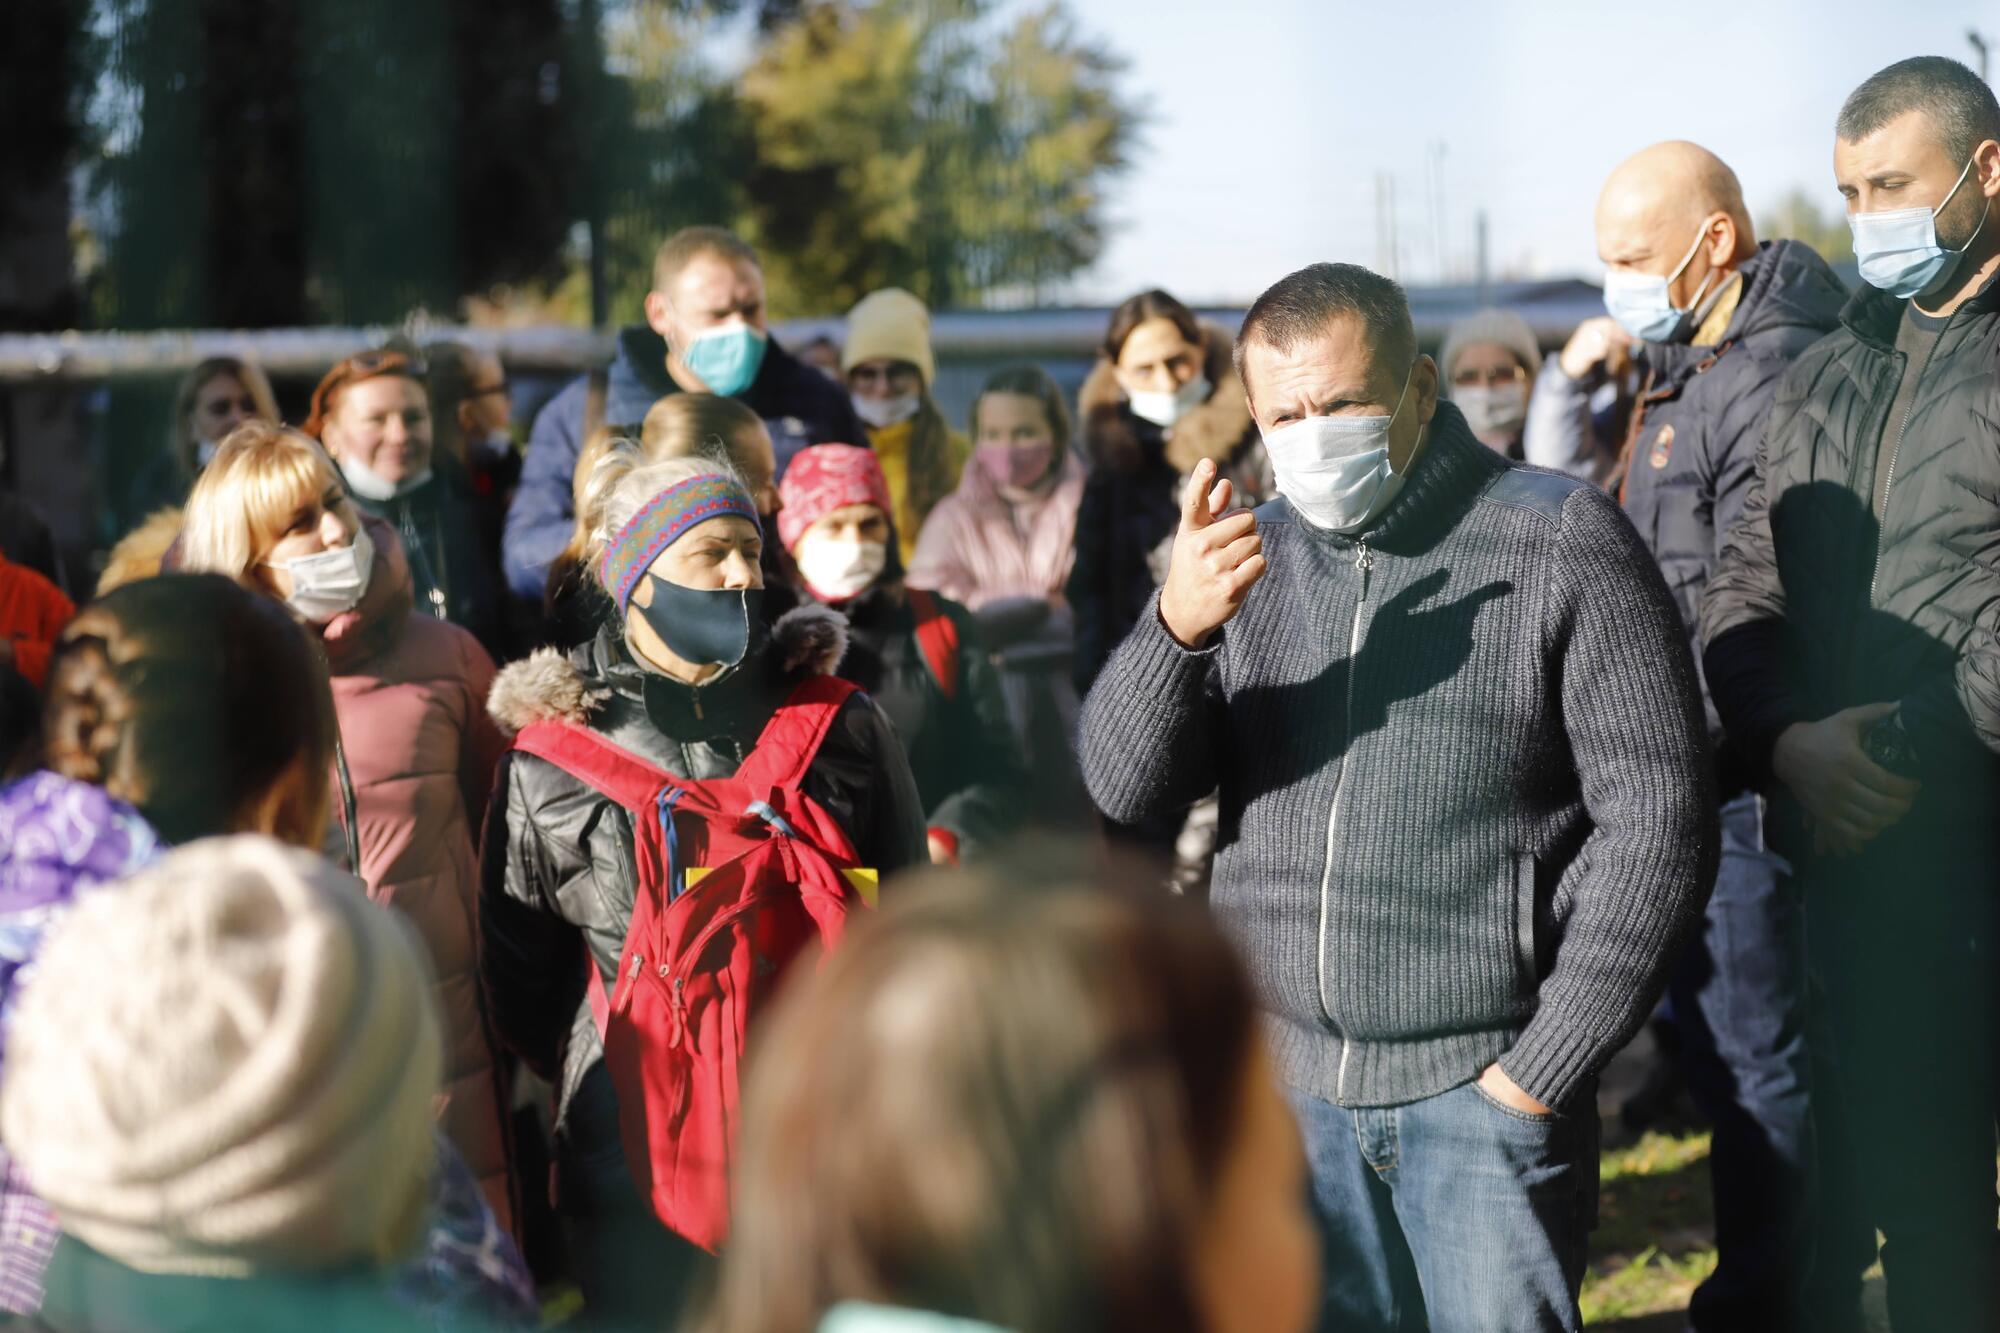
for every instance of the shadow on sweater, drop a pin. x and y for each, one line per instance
(1410, 649)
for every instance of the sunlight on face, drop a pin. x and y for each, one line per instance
(385, 425)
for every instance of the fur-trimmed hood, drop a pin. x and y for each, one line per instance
(551, 686)
(1219, 428)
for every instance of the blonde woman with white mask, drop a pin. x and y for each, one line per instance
(409, 693)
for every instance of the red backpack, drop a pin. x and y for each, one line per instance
(937, 640)
(737, 876)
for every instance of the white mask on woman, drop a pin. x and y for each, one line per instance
(330, 582)
(838, 570)
(1164, 409)
(882, 413)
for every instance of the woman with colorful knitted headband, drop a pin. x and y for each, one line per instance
(683, 677)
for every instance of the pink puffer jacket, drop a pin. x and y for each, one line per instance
(410, 693)
(978, 546)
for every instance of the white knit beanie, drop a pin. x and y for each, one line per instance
(889, 324)
(228, 1064)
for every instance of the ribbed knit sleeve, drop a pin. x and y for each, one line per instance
(1148, 738)
(1633, 715)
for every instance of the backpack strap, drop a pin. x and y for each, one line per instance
(937, 638)
(610, 769)
(792, 738)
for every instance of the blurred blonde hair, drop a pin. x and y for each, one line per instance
(247, 496)
(247, 373)
(679, 426)
(139, 552)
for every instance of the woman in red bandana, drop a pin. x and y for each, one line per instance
(917, 654)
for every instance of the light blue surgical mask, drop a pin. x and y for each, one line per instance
(1898, 249)
(1335, 470)
(1640, 303)
(727, 357)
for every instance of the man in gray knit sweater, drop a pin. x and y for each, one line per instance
(1467, 816)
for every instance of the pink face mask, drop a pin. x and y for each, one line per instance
(1015, 469)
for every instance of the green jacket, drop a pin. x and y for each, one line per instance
(89, 1292)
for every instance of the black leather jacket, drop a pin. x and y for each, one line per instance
(557, 869)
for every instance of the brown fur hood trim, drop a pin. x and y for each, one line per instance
(546, 686)
(1217, 429)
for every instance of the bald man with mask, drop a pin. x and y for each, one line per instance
(1714, 318)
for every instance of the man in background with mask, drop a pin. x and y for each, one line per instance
(1489, 359)
(1715, 318)
(1467, 807)
(705, 332)
(1853, 651)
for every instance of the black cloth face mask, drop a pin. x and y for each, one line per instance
(705, 625)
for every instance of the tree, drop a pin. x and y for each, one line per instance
(264, 162)
(910, 143)
(1798, 217)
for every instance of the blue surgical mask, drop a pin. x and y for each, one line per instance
(726, 358)
(1335, 470)
(1898, 250)
(1640, 303)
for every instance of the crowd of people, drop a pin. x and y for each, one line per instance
(435, 874)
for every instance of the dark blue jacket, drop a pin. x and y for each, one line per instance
(1691, 464)
(801, 406)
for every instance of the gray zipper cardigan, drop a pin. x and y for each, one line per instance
(1467, 807)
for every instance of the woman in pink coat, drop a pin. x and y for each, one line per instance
(1003, 544)
(418, 749)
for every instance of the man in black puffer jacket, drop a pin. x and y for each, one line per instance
(1713, 335)
(1852, 639)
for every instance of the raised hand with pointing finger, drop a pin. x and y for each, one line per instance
(1217, 558)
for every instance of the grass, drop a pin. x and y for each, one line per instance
(1655, 1238)
(1654, 1241)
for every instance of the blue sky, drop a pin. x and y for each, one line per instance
(1272, 118)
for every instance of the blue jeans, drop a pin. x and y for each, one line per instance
(1452, 1213)
(1739, 1005)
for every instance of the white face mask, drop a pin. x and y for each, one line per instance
(1492, 409)
(1335, 470)
(369, 484)
(884, 412)
(837, 570)
(1164, 409)
(326, 584)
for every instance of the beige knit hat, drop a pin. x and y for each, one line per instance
(1491, 325)
(890, 323)
(227, 1064)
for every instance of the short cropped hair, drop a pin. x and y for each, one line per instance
(1302, 304)
(1959, 105)
(690, 243)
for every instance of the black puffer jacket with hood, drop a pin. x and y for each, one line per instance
(1818, 607)
(1691, 463)
(557, 870)
(962, 748)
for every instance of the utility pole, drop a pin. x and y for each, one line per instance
(1385, 224)
(1973, 36)
(1434, 174)
(1481, 273)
